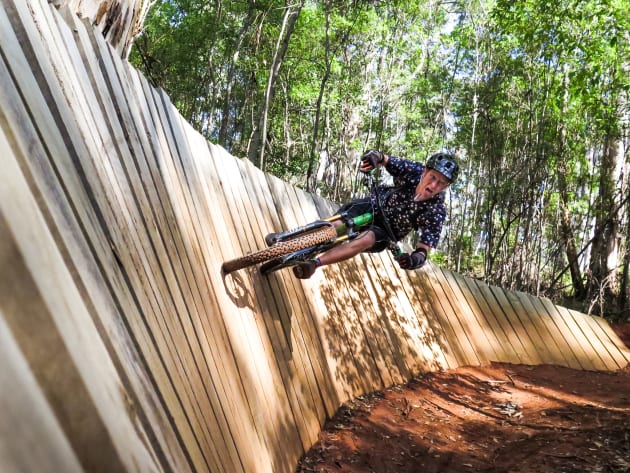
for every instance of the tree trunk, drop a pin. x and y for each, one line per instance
(603, 284)
(120, 21)
(227, 99)
(256, 151)
(311, 181)
(566, 229)
(624, 285)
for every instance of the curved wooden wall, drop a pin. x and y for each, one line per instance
(124, 349)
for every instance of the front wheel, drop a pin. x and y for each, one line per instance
(300, 242)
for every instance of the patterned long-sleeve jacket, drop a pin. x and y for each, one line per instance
(403, 213)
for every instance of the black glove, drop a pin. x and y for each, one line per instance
(371, 160)
(414, 260)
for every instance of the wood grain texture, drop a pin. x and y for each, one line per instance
(123, 340)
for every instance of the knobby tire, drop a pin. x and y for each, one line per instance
(300, 242)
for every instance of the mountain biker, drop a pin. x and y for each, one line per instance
(415, 203)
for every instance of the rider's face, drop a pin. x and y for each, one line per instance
(431, 184)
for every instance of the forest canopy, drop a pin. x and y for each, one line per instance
(532, 96)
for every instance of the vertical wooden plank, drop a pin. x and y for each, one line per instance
(68, 235)
(575, 349)
(250, 376)
(324, 296)
(307, 421)
(495, 337)
(440, 348)
(266, 365)
(33, 441)
(455, 353)
(474, 326)
(608, 352)
(533, 326)
(463, 320)
(552, 338)
(181, 277)
(328, 311)
(604, 360)
(46, 125)
(58, 336)
(313, 354)
(345, 283)
(349, 279)
(170, 241)
(499, 315)
(284, 406)
(385, 318)
(404, 338)
(300, 371)
(590, 359)
(219, 387)
(611, 340)
(556, 328)
(311, 410)
(406, 319)
(529, 353)
(503, 349)
(247, 372)
(232, 395)
(466, 351)
(237, 300)
(139, 209)
(410, 339)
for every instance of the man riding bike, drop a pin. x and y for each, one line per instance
(416, 202)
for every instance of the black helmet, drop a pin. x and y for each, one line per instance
(444, 163)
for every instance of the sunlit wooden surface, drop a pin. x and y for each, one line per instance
(123, 347)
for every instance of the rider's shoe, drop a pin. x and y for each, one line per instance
(305, 269)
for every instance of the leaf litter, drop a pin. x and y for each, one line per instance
(498, 418)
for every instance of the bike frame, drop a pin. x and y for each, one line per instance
(346, 230)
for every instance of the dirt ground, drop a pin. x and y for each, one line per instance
(500, 418)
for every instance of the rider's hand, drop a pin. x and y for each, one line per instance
(371, 160)
(413, 260)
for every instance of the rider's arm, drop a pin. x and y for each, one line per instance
(430, 225)
(403, 171)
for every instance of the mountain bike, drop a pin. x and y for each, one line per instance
(291, 247)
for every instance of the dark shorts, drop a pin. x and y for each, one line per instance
(360, 206)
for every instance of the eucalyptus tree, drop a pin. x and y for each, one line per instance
(181, 48)
(210, 57)
(359, 75)
(563, 145)
(465, 238)
(258, 142)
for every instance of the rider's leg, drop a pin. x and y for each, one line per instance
(363, 242)
(339, 253)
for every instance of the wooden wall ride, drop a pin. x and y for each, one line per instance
(123, 348)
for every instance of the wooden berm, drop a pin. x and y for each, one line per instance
(124, 349)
